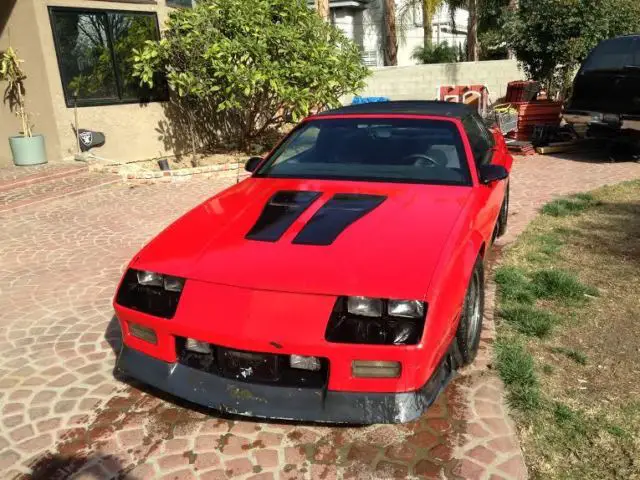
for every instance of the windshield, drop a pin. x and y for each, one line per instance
(393, 150)
(614, 55)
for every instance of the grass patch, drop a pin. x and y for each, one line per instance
(547, 369)
(559, 284)
(514, 285)
(578, 415)
(576, 355)
(571, 421)
(516, 368)
(571, 205)
(529, 320)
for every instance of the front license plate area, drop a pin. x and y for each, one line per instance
(249, 366)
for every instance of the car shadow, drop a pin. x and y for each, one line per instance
(60, 467)
(602, 151)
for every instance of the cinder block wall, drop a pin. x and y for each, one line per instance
(419, 82)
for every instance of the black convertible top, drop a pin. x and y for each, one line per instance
(410, 107)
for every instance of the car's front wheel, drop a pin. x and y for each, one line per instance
(470, 327)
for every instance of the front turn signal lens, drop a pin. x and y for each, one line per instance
(143, 333)
(375, 369)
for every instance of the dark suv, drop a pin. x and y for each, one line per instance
(606, 91)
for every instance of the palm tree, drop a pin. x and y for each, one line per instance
(429, 9)
(322, 7)
(390, 34)
(472, 31)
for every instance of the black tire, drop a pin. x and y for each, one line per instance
(503, 218)
(470, 327)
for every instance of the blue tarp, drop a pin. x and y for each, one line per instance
(360, 100)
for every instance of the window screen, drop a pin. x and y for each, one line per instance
(95, 55)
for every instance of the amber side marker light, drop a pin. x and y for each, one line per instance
(143, 333)
(375, 369)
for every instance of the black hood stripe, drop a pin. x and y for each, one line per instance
(335, 216)
(282, 209)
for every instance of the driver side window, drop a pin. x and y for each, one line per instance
(480, 140)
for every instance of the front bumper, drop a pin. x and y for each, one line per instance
(285, 403)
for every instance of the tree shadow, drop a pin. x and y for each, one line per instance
(192, 126)
(5, 13)
(616, 236)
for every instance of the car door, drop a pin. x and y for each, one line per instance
(487, 149)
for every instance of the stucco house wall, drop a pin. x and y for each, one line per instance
(133, 131)
(420, 82)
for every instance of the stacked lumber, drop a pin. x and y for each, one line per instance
(522, 91)
(531, 114)
(518, 147)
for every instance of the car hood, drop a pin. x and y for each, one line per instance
(390, 250)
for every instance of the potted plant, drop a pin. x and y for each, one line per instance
(27, 149)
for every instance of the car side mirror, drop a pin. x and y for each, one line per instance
(492, 173)
(252, 164)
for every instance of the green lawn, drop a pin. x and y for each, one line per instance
(568, 343)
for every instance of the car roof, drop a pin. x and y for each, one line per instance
(409, 107)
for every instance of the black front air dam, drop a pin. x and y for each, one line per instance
(284, 403)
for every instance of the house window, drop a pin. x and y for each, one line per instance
(180, 3)
(95, 55)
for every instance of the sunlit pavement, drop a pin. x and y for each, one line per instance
(63, 413)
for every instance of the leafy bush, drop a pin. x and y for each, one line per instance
(552, 37)
(255, 64)
(440, 53)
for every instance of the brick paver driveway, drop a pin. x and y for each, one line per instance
(64, 414)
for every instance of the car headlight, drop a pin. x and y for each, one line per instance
(150, 292)
(367, 307)
(406, 308)
(376, 321)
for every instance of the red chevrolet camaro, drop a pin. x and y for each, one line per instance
(342, 282)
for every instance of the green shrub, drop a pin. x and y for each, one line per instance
(439, 53)
(255, 64)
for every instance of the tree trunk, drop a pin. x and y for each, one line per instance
(390, 34)
(472, 34)
(513, 6)
(427, 21)
(322, 7)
